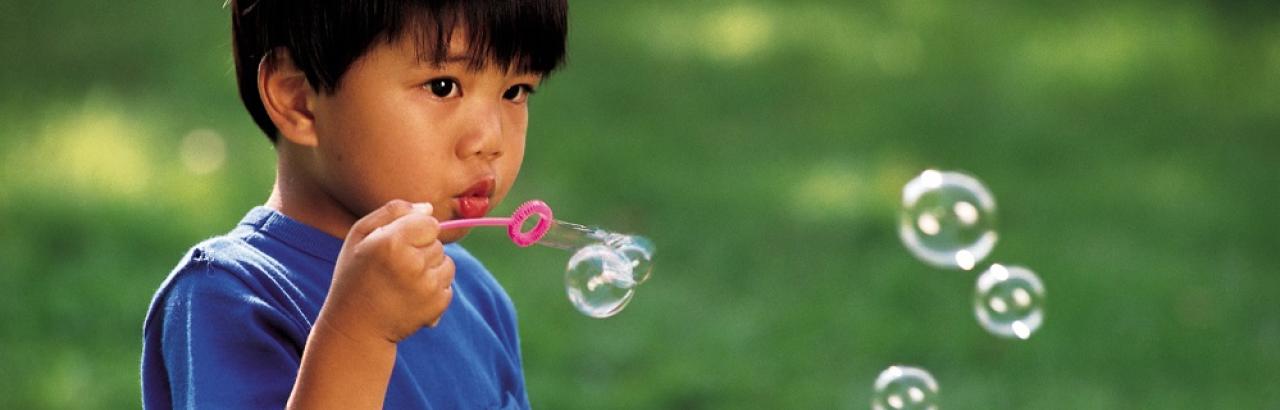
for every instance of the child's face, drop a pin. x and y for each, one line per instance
(402, 128)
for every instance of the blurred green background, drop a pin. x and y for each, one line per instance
(1132, 147)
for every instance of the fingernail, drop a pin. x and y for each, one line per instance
(424, 207)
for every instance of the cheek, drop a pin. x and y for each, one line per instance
(515, 141)
(512, 163)
(516, 149)
(359, 134)
(508, 166)
(373, 154)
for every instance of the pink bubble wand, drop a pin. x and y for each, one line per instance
(546, 232)
(514, 223)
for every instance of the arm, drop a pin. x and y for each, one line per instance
(392, 278)
(341, 371)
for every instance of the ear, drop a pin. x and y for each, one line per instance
(288, 98)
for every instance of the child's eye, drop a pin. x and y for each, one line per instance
(518, 94)
(443, 87)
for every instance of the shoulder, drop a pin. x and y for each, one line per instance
(221, 271)
(225, 274)
(220, 263)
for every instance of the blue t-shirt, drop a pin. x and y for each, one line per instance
(227, 328)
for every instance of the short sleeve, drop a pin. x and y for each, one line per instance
(213, 342)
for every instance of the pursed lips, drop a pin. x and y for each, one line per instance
(474, 202)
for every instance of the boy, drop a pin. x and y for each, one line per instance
(387, 117)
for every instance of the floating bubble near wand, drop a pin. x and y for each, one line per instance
(605, 268)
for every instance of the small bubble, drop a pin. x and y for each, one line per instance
(1009, 301)
(947, 219)
(905, 387)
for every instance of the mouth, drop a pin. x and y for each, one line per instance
(474, 202)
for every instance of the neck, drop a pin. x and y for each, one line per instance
(298, 195)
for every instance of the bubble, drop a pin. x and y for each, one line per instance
(599, 281)
(947, 219)
(905, 388)
(1009, 301)
(638, 251)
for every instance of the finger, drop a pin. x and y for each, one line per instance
(438, 278)
(417, 228)
(389, 212)
(433, 255)
(447, 271)
(446, 296)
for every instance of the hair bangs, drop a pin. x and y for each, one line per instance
(520, 36)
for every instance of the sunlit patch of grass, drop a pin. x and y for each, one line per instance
(741, 32)
(891, 175)
(106, 151)
(845, 190)
(1100, 51)
(840, 37)
(1112, 46)
(918, 13)
(67, 381)
(737, 32)
(829, 190)
(850, 39)
(97, 151)
(730, 34)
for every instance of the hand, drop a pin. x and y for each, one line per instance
(392, 276)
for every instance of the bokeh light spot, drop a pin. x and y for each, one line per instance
(830, 191)
(203, 151)
(735, 33)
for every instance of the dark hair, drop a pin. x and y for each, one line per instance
(324, 37)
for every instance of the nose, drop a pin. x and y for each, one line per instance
(482, 132)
